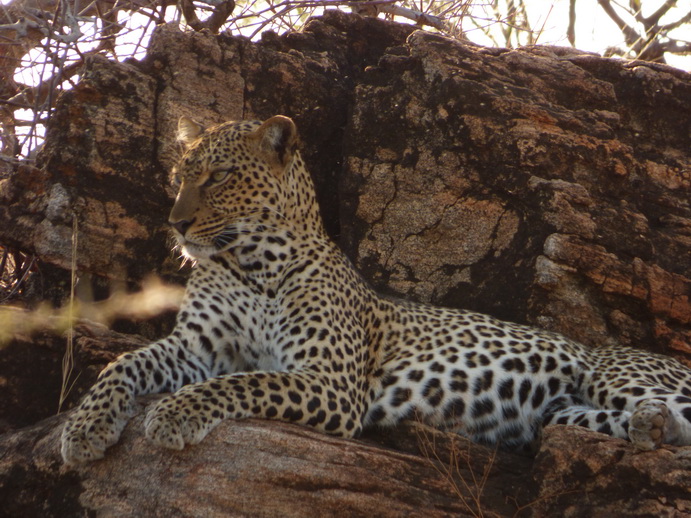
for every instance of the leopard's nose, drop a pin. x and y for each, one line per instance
(181, 226)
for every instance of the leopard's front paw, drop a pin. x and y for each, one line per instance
(87, 434)
(178, 420)
(648, 424)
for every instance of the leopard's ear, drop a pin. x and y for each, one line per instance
(188, 130)
(277, 137)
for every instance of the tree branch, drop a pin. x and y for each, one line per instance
(416, 16)
(676, 47)
(213, 23)
(571, 29)
(681, 21)
(654, 19)
(630, 34)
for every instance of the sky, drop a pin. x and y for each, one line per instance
(595, 31)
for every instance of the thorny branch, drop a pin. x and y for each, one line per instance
(653, 41)
(51, 38)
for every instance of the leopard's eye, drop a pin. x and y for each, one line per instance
(219, 176)
(176, 180)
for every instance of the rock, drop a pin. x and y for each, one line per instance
(99, 170)
(267, 468)
(581, 473)
(536, 185)
(539, 185)
(288, 471)
(31, 370)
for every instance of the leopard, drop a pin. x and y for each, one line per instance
(276, 323)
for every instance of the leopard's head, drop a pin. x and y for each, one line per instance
(231, 183)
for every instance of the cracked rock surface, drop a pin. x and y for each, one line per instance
(540, 185)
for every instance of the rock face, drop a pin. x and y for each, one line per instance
(265, 469)
(588, 474)
(110, 143)
(31, 371)
(289, 471)
(539, 185)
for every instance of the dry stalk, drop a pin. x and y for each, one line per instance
(68, 358)
(154, 299)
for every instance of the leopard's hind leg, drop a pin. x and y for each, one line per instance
(571, 410)
(658, 416)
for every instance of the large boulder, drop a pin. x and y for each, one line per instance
(541, 185)
(266, 469)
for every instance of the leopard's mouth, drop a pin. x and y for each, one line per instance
(225, 238)
(192, 250)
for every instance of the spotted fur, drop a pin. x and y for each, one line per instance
(276, 323)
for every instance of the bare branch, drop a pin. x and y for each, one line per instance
(416, 16)
(676, 47)
(654, 19)
(571, 29)
(630, 34)
(681, 21)
(213, 23)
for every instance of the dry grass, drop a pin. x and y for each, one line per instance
(154, 299)
(456, 460)
(456, 468)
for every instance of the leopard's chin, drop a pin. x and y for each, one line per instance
(194, 251)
